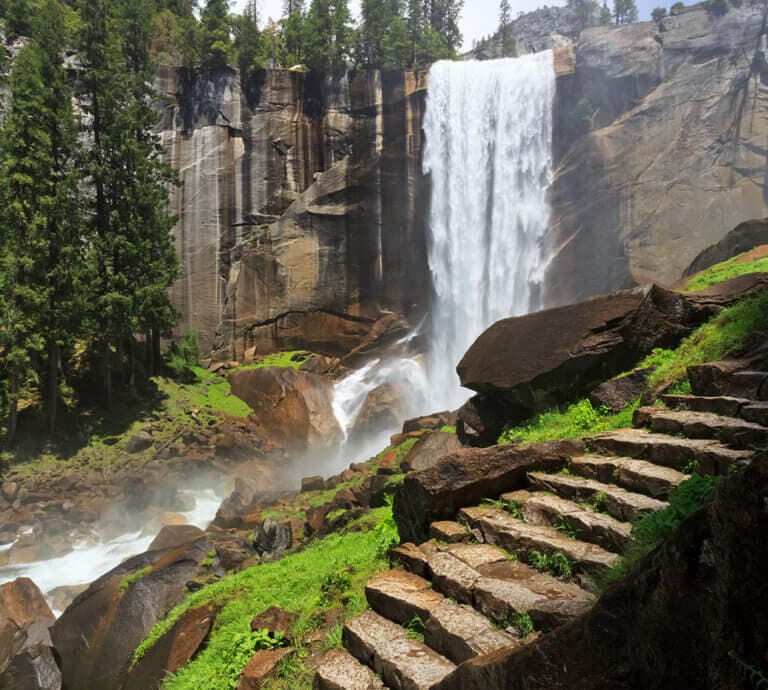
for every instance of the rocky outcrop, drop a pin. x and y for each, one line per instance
(689, 606)
(341, 156)
(660, 135)
(26, 654)
(743, 238)
(586, 344)
(291, 408)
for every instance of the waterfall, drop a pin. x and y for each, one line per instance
(488, 129)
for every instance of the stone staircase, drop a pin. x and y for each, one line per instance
(525, 562)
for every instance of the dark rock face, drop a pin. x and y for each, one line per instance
(465, 477)
(429, 450)
(26, 654)
(743, 238)
(586, 343)
(692, 614)
(660, 148)
(97, 635)
(616, 394)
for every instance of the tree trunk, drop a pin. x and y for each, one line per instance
(108, 378)
(53, 384)
(156, 349)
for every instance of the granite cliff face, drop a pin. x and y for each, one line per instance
(302, 219)
(661, 137)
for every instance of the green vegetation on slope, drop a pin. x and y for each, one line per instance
(328, 574)
(737, 266)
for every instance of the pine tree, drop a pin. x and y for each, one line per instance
(508, 44)
(216, 41)
(624, 11)
(40, 234)
(293, 33)
(376, 18)
(249, 43)
(605, 14)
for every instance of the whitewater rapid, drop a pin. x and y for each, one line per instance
(488, 151)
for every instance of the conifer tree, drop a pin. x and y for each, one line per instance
(508, 46)
(216, 41)
(294, 34)
(249, 43)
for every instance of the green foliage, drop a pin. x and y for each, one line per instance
(241, 647)
(599, 501)
(210, 557)
(182, 358)
(521, 621)
(624, 11)
(294, 583)
(555, 563)
(652, 530)
(676, 8)
(726, 334)
(564, 527)
(128, 580)
(658, 13)
(751, 673)
(415, 629)
(737, 266)
(578, 420)
(334, 586)
(584, 111)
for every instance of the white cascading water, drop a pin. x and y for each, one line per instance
(488, 130)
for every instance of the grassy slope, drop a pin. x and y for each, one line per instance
(326, 576)
(749, 262)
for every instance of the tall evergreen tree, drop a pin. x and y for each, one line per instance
(508, 45)
(624, 11)
(216, 41)
(40, 233)
(376, 16)
(249, 43)
(293, 33)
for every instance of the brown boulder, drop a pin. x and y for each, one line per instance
(616, 394)
(26, 653)
(433, 421)
(744, 237)
(465, 477)
(383, 409)
(97, 635)
(586, 343)
(275, 621)
(175, 535)
(429, 450)
(315, 483)
(291, 408)
(262, 666)
(692, 613)
(173, 650)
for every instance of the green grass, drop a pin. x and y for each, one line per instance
(522, 622)
(280, 359)
(328, 573)
(575, 421)
(726, 270)
(726, 334)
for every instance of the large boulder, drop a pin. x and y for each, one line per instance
(26, 654)
(465, 477)
(692, 614)
(527, 363)
(97, 635)
(430, 449)
(292, 408)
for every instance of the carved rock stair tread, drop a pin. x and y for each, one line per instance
(590, 525)
(756, 412)
(706, 425)
(339, 670)
(619, 503)
(384, 646)
(515, 535)
(632, 474)
(712, 457)
(726, 405)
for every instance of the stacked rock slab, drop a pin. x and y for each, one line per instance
(532, 552)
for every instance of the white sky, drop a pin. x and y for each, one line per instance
(480, 17)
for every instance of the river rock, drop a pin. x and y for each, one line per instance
(262, 666)
(174, 649)
(272, 537)
(175, 535)
(429, 450)
(26, 653)
(292, 408)
(98, 633)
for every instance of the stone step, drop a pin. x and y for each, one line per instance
(702, 425)
(566, 516)
(623, 505)
(455, 631)
(721, 378)
(484, 576)
(514, 535)
(339, 670)
(756, 412)
(448, 531)
(684, 454)
(636, 475)
(384, 646)
(717, 404)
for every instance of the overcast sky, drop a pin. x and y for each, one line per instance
(479, 19)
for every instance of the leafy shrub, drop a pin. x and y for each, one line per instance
(555, 563)
(658, 13)
(415, 629)
(182, 356)
(677, 8)
(521, 621)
